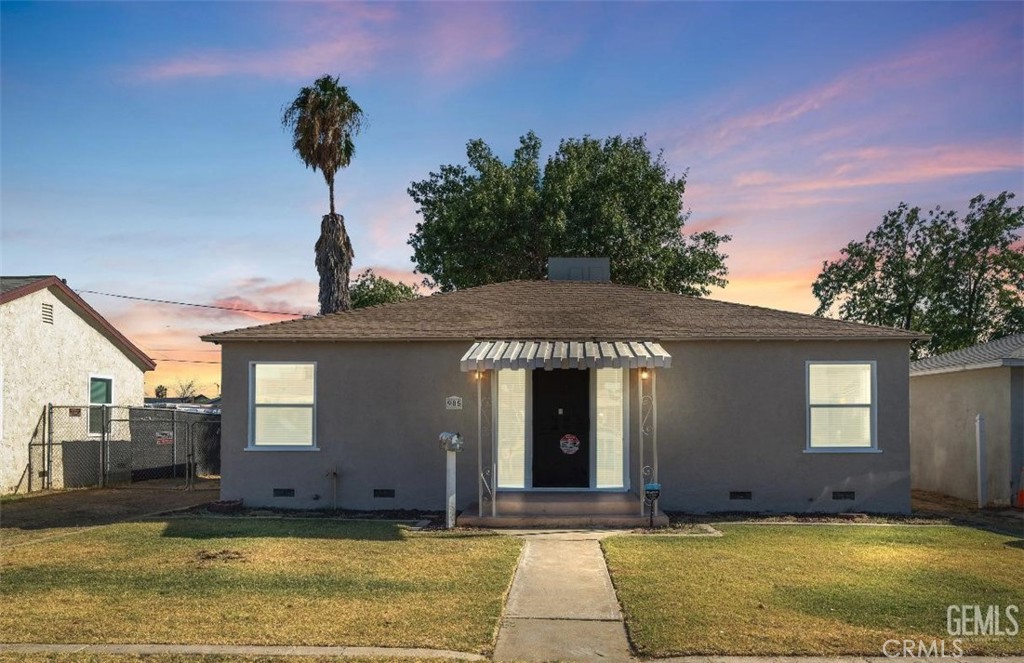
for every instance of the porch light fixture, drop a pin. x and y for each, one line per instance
(644, 374)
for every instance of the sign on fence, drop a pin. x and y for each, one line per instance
(165, 437)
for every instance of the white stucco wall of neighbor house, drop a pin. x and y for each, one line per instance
(732, 417)
(45, 363)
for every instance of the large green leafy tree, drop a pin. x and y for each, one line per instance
(369, 289)
(960, 279)
(494, 221)
(323, 120)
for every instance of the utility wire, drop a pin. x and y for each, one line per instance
(167, 301)
(186, 361)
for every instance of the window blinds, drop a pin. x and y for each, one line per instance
(511, 428)
(609, 409)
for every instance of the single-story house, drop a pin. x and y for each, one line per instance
(947, 393)
(55, 348)
(571, 395)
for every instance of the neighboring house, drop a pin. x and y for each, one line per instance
(570, 395)
(947, 392)
(55, 348)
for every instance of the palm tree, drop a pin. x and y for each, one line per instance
(323, 120)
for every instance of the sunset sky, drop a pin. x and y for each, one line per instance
(142, 151)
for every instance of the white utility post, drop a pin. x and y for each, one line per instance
(979, 439)
(452, 443)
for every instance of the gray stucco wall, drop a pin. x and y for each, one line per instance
(943, 410)
(732, 417)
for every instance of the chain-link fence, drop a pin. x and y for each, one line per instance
(86, 446)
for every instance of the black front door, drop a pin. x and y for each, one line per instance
(561, 429)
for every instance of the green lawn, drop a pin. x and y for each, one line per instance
(280, 582)
(194, 658)
(793, 590)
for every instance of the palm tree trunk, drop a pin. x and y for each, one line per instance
(334, 262)
(330, 187)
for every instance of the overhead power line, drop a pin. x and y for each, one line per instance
(168, 301)
(186, 361)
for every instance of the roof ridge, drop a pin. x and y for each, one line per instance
(541, 308)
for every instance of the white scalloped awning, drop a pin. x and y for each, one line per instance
(549, 355)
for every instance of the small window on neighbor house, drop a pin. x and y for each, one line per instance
(48, 313)
(841, 406)
(282, 405)
(101, 392)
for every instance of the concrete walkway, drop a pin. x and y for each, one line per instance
(562, 606)
(388, 653)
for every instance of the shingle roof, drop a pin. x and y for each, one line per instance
(1006, 351)
(9, 283)
(560, 310)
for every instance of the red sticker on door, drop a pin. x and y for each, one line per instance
(569, 444)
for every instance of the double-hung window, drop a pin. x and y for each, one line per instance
(841, 406)
(282, 405)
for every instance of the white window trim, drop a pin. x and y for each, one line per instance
(88, 398)
(873, 449)
(250, 446)
(528, 434)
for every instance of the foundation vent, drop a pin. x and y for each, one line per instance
(843, 495)
(284, 492)
(47, 313)
(741, 495)
(383, 492)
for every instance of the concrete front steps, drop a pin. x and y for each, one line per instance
(561, 509)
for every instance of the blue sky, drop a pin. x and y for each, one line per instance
(142, 151)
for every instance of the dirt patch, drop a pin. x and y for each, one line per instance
(224, 509)
(927, 509)
(966, 512)
(219, 556)
(40, 516)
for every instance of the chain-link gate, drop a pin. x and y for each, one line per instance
(88, 446)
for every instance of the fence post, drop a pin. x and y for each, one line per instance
(174, 443)
(104, 419)
(189, 454)
(979, 442)
(48, 449)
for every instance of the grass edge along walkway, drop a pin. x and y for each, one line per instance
(271, 582)
(834, 590)
(242, 650)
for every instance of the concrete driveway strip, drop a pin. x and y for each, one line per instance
(562, 606)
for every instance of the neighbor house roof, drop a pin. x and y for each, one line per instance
(559, 310)
(1006, 351)
(15, 287)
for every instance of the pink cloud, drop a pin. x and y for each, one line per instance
(439, 41)
(356, 52)
(905, 165)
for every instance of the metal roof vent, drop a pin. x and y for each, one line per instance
(579, 269)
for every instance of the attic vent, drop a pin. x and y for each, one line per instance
(383, 492)
(843, 495)
(48, 313)
(740, 495)
(284, 492)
